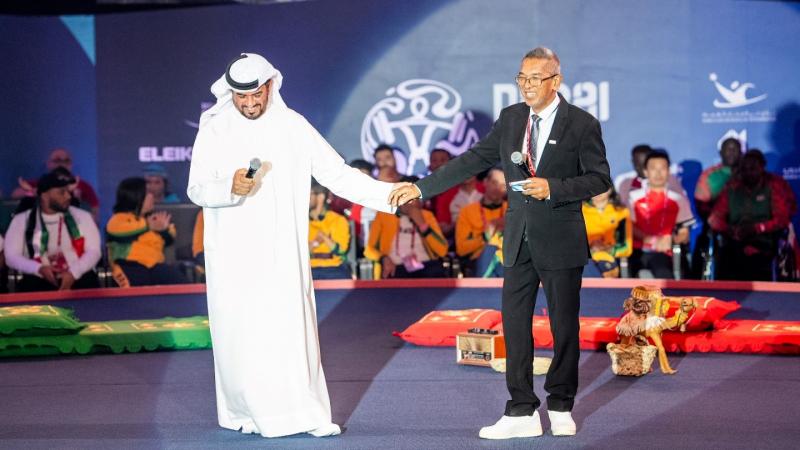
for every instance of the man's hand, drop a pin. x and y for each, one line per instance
(663, 244)
(681, 236)
(403, 193)
(241, 184)
(387, 267)
(494, 226)
(321, 238)
(67, 280)
(25, 186)
(159, 221)
(47, 273)
(743, 232)
(537, 188)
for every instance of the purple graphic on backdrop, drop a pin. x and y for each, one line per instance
(416, 116)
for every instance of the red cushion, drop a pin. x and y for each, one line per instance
(709, 310)
(595, 332)
(439, 328)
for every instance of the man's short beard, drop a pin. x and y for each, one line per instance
(241, 111)
(54, 206)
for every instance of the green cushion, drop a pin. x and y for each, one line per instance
(38, 320)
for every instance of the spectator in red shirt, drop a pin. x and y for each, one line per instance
(661, 217)
(636, 179)
(440, 204)
(751, 213)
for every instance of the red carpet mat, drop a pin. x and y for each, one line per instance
(439, 328)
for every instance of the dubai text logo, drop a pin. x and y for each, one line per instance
(734, 96)
(412, 116)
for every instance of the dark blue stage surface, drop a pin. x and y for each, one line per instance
(393, 395)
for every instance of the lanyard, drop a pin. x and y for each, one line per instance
(397, 237)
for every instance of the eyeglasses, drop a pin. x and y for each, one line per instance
(61, 160)
(522, 81)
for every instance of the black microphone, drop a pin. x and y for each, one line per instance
(255, 164)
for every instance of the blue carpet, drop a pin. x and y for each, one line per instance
(391, 395)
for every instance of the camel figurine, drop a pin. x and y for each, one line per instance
(645, 316)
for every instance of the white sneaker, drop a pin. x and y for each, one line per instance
(513, 427)
(561, 423)
(330, 429)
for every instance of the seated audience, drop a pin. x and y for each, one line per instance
(386, 164)
(3, 271)
(609, 231)
(661, 217)
(137, 236)
(54, 245)
(636, 179)
(83, 194)
(408, 244)
(706, 192)
(198, 247)
(479, 230)
(713, 179)
(440, 204)
(360, 215)
(751, 213)
(328, 237)
(470, 191)
(157, 180)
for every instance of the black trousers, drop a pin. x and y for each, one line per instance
(562, 289)
(140, 275)
(734, 264)
(660, 264)
(432, 269)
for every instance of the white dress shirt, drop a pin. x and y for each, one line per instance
(548, 116)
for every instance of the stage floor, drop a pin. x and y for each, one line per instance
(392, 395)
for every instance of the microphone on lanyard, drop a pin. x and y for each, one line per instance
(255, 164)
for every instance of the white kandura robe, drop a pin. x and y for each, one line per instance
(269, 377)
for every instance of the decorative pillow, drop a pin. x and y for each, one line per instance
(37, 320)
(439, 328)
(708, 311)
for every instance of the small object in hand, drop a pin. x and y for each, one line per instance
(518, 186)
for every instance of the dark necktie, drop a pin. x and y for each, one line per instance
(534, 137)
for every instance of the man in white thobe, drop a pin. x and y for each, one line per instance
(268, 374)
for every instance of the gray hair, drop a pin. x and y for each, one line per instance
(545, 53)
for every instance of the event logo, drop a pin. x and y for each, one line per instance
(740, 136)
(414, 114)
(593, 97)
(735, 96)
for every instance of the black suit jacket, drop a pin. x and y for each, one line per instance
(575, 166)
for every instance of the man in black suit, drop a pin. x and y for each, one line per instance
(558, 150)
